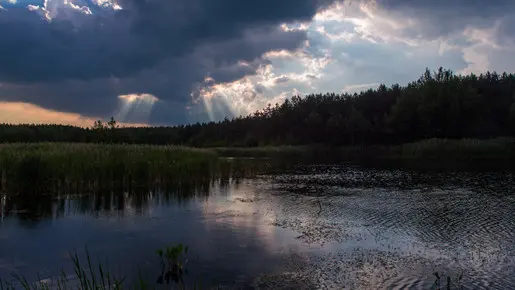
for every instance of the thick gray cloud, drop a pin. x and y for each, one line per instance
(80, 62)
(505, 34)
(483, 31)
(124, 42)
(437, 18)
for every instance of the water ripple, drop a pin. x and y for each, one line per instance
(403, 225)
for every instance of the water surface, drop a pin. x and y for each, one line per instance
(311, 227)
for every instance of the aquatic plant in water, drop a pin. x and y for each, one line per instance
(172, 263)
(448, 282)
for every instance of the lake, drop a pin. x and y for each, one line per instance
(309, 227)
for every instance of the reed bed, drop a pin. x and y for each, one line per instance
(53, 167)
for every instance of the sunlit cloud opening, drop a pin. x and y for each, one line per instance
(135, 107)
(299, 26)
(359, 88)
(267, 85)
(239, 97)
(108, 4)
(51, 8)
(280, 54)
(12, 2)
(211, 96)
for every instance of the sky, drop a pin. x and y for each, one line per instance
(168, 62)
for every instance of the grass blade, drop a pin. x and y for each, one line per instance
(92, 273)
(101, 276)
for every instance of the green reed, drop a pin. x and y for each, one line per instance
(54, 166)
(88, 275)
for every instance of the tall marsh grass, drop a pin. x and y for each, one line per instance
(60, 166)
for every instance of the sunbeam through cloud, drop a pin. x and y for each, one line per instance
(135, 107)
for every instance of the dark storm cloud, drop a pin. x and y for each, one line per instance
(124, 42)
(80, 63)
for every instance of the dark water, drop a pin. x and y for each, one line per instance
(312, 227)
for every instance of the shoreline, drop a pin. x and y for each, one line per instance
(431, 154)
(91, 161)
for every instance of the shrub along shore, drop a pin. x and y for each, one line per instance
(437, 154)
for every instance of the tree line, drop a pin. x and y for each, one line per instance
(439, 104)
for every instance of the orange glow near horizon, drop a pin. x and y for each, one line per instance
(26, 113)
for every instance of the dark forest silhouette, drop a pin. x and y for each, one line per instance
(437, 105)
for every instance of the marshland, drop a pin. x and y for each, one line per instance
(400, 187)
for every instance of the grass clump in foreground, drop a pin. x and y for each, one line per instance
(91, 276)
(54, 167)
(86, 277)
